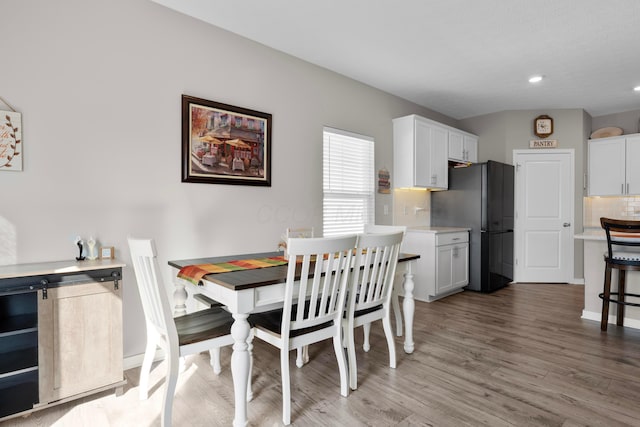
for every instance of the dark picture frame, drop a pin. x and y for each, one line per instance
(225, 144)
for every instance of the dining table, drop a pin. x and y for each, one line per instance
(250, 290)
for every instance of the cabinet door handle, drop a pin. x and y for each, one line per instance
(621, 188)
(115, 276)
(627, 188)
(44, 283)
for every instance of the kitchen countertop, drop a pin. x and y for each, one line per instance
(598, 235)
(591, 234)
(436, 230)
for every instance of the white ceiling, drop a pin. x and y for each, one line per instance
(462, 58)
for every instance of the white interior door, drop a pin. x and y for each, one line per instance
(544, 200)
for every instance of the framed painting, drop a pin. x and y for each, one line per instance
(224, 144)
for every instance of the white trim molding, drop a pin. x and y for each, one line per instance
(135, 361)
(628, 323)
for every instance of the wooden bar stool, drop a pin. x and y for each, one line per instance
(622, 236)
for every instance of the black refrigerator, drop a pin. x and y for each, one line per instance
(480, 197)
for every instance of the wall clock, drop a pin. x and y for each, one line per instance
(543, 126)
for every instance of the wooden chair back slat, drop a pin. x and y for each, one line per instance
(323, 265)
(374, 270)
(155, 301)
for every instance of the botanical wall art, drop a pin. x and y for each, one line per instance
(10, 141)
(223, 144)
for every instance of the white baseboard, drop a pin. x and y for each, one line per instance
(136, 360)
(628, 323)
(576, 281)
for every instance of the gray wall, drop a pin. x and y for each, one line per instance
(628, 121)
(501, 133)
(492, 135)
(99, 86)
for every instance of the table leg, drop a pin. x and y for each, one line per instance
(408, 306)
(396, 310)
(240, 360)
(180, 298)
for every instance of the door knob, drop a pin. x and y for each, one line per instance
(566, 224)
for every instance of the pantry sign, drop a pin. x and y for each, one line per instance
(10, 141)
(543, 143)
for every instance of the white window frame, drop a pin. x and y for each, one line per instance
(348, 183)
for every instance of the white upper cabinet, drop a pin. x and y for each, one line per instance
(419, 153)
(456, 146)
(632, 170)
(613, 167)
(422, 149)
(463, 147)
(471, 148)
(606, 167)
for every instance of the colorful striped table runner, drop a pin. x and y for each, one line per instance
(194, 273)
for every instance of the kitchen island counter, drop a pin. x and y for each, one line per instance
(592, 234)
(595, 246)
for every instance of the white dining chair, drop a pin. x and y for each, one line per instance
(179, 337)
(395, 302)
(370, 289)
(303, 354)
(316, 279)
(293, 233)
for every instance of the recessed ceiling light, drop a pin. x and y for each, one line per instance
(535, 79)
(637, 88)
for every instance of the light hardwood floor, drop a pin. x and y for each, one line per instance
(518, 357)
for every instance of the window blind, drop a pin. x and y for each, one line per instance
(348, 182)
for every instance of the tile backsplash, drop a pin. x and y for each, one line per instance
(405, 202)
(610, 207)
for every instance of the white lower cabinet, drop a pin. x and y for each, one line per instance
(443, 267)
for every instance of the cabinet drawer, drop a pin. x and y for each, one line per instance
(451, 238)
